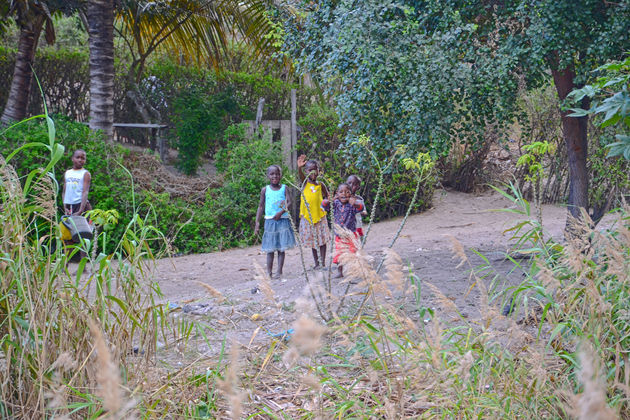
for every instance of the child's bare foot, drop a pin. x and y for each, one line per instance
(277, 275)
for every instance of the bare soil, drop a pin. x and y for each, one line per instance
(424, 244)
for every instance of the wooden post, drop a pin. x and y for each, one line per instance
(295, 206)
(293, 149)
(285, 138)
(161, 146)
(259, 112)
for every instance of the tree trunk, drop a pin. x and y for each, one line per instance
(575, 132)
(100, 14)
(20, 90)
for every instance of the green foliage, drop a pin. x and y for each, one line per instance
(610, 96)
(199, 118)
(324, 140)
(64, 76)
(111, 187)
(50, 322)
(226, 218)
(397, 78)
(580, 288)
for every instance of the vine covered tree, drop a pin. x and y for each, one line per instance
(424, 72)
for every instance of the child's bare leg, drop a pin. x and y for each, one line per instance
(270, 262)
(322, 252)
(315, 257)
(280, 262)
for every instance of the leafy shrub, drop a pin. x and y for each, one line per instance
(199, 118)
(51, 323)
(226, 218)
(64, 75)
(111, 186)
(322, 139)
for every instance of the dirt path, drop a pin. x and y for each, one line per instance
(424, 243)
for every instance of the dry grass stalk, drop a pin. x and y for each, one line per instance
(458, 251)
(229, 384)
(213, 292)
(591, 404)
(312, 382)
(264, 285)
(307, 336)
(465, 363)
(45, 197)
(10, 182)
(58, 394)
(393, 264)
(443, 301)
(107, 374)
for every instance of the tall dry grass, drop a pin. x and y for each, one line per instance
(64, 353)
(562, 353)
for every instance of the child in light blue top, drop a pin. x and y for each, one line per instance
(278, 235)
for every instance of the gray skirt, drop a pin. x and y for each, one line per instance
(278, 235)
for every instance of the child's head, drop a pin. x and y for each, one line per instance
(344, 193)
(78, 159)
(312, 170)
(354, 182)
(274, 174)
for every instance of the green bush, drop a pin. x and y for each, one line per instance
(64, 75)
(322, 139)
(199, 119)
(111, 186)
(226, 218)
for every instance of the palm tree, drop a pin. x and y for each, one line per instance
(100, 18)
(194, 30)
(31, 16)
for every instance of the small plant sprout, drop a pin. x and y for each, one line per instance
(106, 220)
(533, 160)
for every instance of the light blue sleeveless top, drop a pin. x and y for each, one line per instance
(273, 200)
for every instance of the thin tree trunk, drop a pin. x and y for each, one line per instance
(100, 14)
(575, 132)
(20, 90)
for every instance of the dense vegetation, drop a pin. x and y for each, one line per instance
(404, 94)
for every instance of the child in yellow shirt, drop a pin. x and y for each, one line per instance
(314, 230)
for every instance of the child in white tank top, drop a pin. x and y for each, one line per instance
(76, 186)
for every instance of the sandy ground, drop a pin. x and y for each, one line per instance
(424, 244)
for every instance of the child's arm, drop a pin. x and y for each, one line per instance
(284, 205)
(87, 180)
(300, 163)
(358, 206)
(66, 211)
(259, 212)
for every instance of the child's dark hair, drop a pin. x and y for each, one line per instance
(77, 151)
(274, 167)
(343, 184)
(355, 177)
(311, 162)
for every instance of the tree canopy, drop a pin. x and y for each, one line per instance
(425, 73)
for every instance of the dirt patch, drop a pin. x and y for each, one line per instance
(424, 244)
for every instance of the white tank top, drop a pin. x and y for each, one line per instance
(74, 185)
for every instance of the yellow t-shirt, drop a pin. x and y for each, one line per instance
(313, 195)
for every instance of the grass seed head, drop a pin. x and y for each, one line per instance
(264, 285)
(213, 292)
(107, 374)
(458, 250)
(591, 404)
